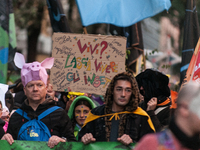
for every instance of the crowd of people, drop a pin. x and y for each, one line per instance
(134, 110)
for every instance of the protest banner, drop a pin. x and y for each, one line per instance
(34, 145)
(86, 63)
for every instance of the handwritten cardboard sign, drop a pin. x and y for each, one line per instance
(86, 63)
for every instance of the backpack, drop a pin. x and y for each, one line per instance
(35, 130)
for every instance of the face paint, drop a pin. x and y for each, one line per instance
(81, 113)
(81, 110)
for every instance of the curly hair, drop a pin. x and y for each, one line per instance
(133, 103)
(131, 106)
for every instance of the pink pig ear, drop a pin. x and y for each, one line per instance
(47, 63)
(19, 60)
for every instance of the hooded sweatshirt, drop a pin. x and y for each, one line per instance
(77, 128)
(155, 84)
(2, 132)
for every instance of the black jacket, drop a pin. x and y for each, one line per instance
(160, 116)
(136, 126)
(58, 121)
(2, 123)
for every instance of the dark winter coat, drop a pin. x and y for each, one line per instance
(160, 116)
(2, 123)
(136, 126)
(58, 121)
(155, 84)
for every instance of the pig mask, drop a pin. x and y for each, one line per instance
(33, 71)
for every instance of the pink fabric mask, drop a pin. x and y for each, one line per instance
(33, 71)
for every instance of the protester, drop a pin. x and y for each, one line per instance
(78, 112)
(9, 100)
(19, 94)
(56, 124)
(51, 92)
(62, 102)
(5, 116)
(154, 88)
(184, 128)
(71, 96)
(120, 118)
(2, 123)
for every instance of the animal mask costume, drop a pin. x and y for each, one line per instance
(33, 71)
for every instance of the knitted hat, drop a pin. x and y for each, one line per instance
(33, 71)
(71, 109)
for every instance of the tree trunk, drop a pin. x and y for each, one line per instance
(33, 34)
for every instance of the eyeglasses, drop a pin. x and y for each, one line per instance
(120, 90)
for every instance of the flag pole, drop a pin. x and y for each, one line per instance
(190, 70)
(195, 53)
(85, 30)
(144, 60)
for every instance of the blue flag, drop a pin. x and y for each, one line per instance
(121, 13)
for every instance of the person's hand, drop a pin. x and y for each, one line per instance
(50, 90)
(125, 139)
(54, 140)
(88, 138)
(151, 105)
(141, 97)
(8, 137)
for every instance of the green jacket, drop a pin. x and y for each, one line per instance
(71, 110)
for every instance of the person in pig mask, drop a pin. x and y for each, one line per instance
(34, 79)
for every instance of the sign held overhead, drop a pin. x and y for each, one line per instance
(86, 63)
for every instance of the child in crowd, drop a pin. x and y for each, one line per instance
(78, 112)
(2, 123)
